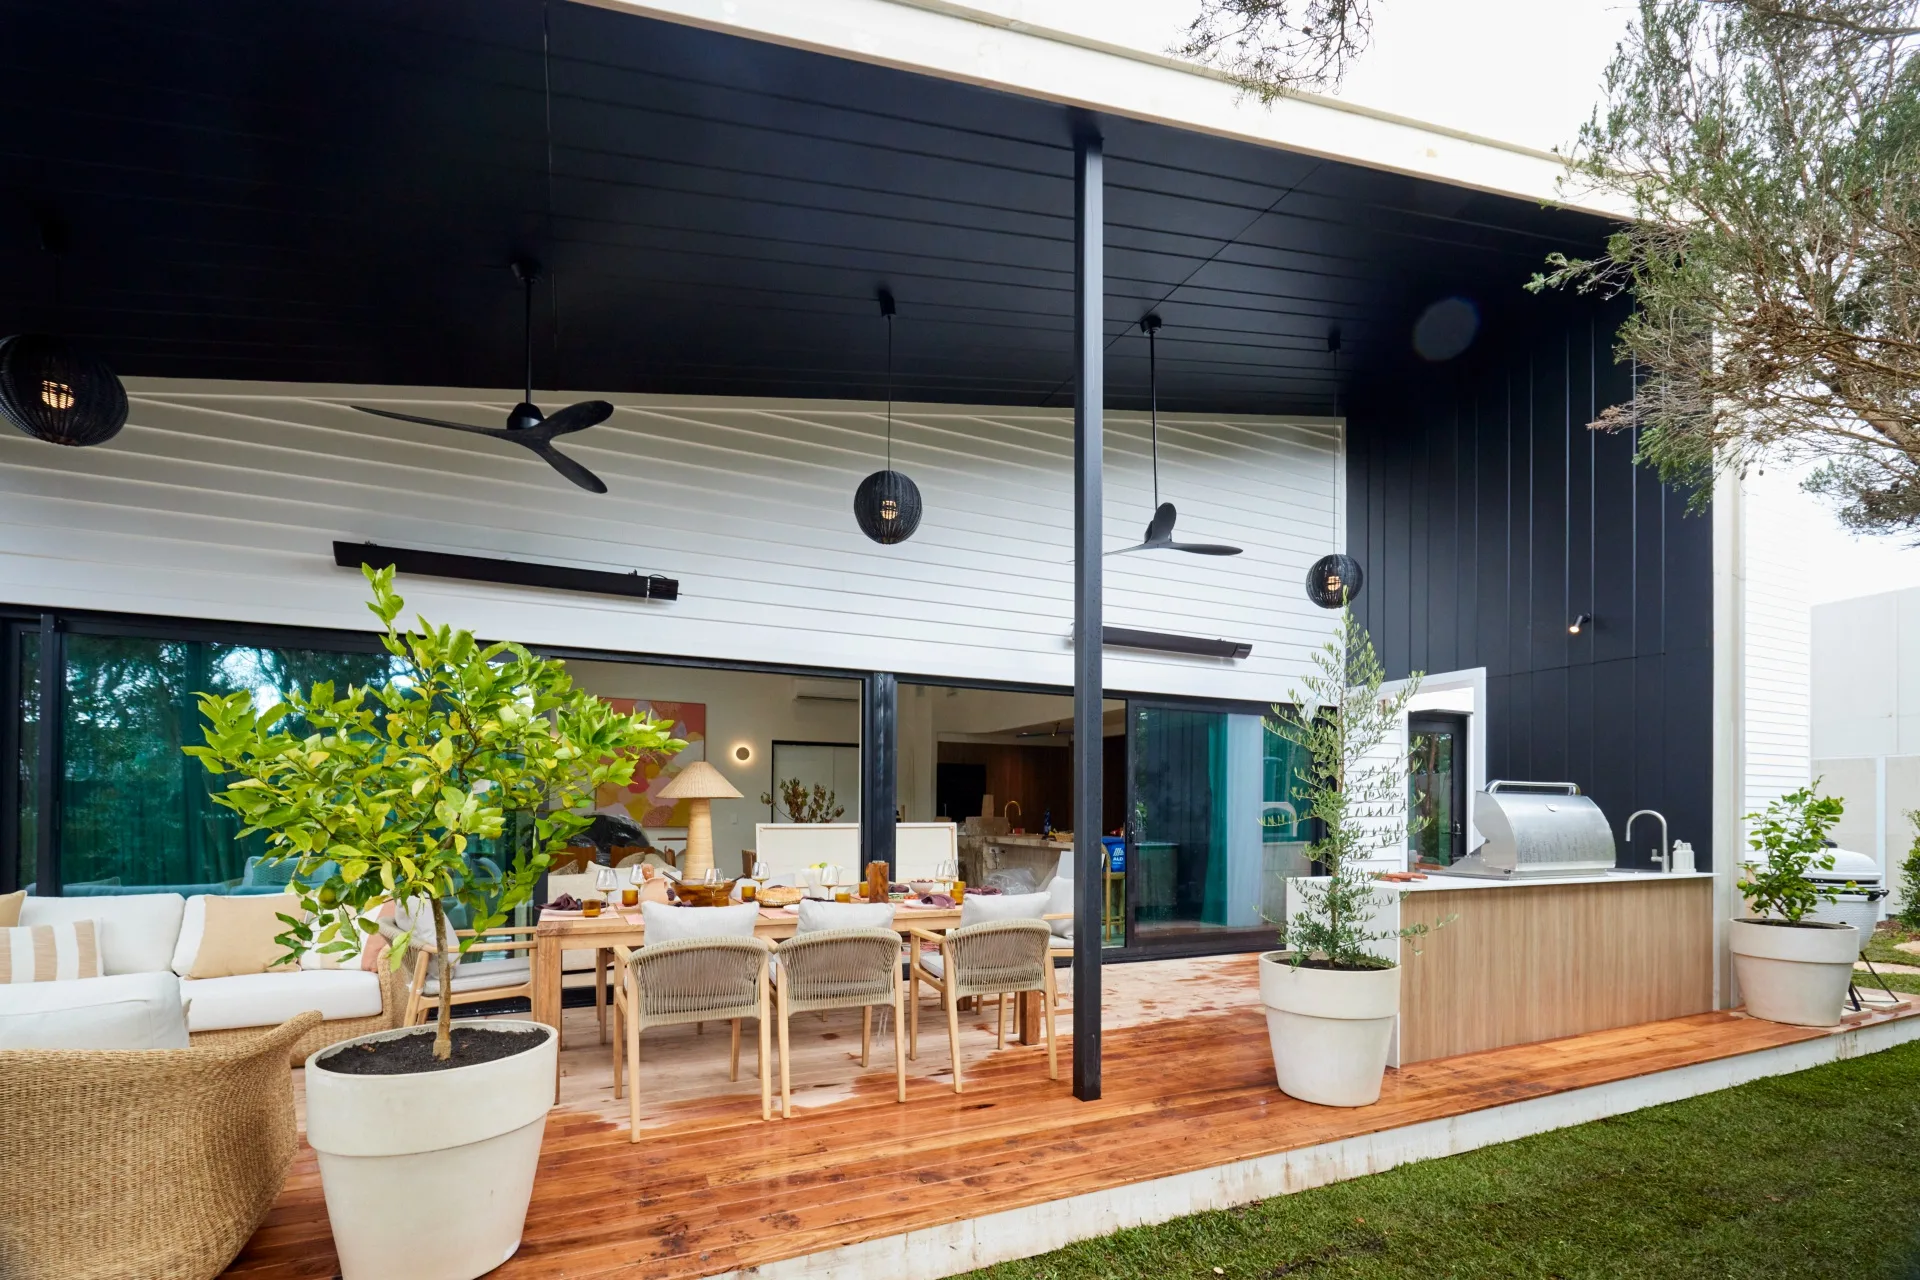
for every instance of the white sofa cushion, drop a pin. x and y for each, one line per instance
(1060, 901)
(816, 915)
(480, 975)
(977, 909)
(137, 930)
(128, 1011)
(668, 923)
(268, 999)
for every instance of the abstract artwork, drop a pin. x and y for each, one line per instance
(641, 801)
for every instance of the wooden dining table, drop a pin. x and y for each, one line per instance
(561, 931)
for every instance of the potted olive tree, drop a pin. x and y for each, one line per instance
(427, 1139)
(1331, 997)
(1792, 969)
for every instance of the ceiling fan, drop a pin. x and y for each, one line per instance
(1160, 529)
(526, 425)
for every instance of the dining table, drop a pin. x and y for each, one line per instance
(558, 932)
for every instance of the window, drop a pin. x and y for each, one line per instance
(136, 814)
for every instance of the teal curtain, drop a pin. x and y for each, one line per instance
(1213, 906)
(28, 765)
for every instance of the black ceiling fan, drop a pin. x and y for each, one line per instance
(526, 425)
(1160, 528)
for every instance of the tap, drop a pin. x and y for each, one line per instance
(1665, 855)
(1011, 804)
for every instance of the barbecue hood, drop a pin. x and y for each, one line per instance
(1536, 831)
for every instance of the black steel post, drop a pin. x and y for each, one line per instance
(53, 715)
(879, 770)
(1089, 394)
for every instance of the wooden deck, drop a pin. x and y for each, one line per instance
(1188, 1086)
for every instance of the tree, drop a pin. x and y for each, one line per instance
(379, 793)
(1356, 794)
(1792, 837)
(1275, 47)
(1771, 155)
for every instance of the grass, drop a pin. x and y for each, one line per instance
(1806, 1175)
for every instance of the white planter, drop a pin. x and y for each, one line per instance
(1330, 1029)
(1796, 974)
(428, 1176)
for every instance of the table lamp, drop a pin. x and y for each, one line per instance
(700, 784)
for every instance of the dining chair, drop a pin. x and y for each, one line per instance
(997, 958)
(475, 981)
(856, 968)
(712, 979)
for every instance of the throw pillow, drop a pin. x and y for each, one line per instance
(816, 915)
(50, 952)
(667, 923)
(1060, 902)
(239, 935)
(10, 904)
(978, 909)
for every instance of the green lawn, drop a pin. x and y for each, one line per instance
(1799, 1176)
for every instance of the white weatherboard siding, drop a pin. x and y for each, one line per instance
(1777, 651)
(222, 501)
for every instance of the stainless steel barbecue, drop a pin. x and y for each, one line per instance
(1536, 831)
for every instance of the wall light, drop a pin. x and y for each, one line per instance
(1579, 624)
(743, 753)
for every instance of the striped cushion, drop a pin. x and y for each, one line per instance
(46, 952)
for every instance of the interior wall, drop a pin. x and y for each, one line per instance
(1487, 516)
(743, 708)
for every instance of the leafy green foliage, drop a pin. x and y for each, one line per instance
(1792, 834)
(1910, 876)
(1771, 155)
(383, 788)
(801, 805)
(1356, 796)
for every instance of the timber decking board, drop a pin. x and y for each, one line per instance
(715, 1189)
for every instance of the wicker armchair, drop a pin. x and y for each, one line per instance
(994, 959)
(840, 969)
(695, 980)
(157, 1163)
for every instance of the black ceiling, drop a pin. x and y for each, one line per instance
(331, 192)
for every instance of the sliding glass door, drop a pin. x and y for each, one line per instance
(1215, 825)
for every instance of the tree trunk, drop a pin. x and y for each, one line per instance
(443, 1028)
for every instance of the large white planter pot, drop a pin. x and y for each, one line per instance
(1794, 973)
(428, 1176)
(1330, 1029)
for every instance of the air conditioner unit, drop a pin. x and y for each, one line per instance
(826, 690)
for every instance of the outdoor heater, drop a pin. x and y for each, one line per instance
(1536, 831)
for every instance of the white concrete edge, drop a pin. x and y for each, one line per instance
(955, 42)
(935, 1252)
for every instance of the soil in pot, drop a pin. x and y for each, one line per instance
(409, 1055)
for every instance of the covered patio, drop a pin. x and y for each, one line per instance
(859, 1186)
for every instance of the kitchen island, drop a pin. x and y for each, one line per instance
(1520, 961)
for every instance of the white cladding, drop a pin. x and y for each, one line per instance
(223, 500)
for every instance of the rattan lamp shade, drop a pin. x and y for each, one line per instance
(699, 784)
(1334, 580)
(887, 505)
(57, 392)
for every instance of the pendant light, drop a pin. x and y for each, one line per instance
(53, 389)
(1334, 580)
(887, 503)
(1159, 535)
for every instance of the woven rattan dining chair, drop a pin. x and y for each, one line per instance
(998, 958)
(693, 980)
(840, 969)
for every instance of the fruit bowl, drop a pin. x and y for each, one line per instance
(705, 895)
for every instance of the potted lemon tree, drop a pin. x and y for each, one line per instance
(1792, 969)
(427, 1139)
(1332, 993)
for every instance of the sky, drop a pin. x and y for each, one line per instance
(1522, 71)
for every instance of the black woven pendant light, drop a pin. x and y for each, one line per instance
(57, 392)
(1334, 580)
(887, 503)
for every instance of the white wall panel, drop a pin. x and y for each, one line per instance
(1775, 667)
(222, 500)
